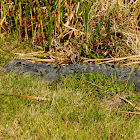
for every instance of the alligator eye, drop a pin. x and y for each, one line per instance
(18, 63)
(113, 66)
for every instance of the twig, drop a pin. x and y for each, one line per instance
(138, 108)
(40, 60)
(73, 28)
(108, 60)
(32, 97)
(91, 60)
(138, 113)
(131, 63)
(123, 58)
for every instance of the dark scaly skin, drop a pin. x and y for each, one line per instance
(53, 73)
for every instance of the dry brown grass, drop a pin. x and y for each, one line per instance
(73, 31)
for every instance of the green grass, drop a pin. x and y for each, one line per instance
(77, 109)
(81, 106)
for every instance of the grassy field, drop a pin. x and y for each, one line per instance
(83, 106)
(80, 107)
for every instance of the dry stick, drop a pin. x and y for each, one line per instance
(66, 29)
(138, 113)
(32, 97)
(34, 54)
(135, 58)
(138, 108)
(113, 59)
(73, 28)
(123, 58)
(96, 59)
(31, 57)
(40, 60)
(131, 63)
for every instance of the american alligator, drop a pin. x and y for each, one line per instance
(53, 73)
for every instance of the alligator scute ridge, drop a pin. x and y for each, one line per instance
(52, 73)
